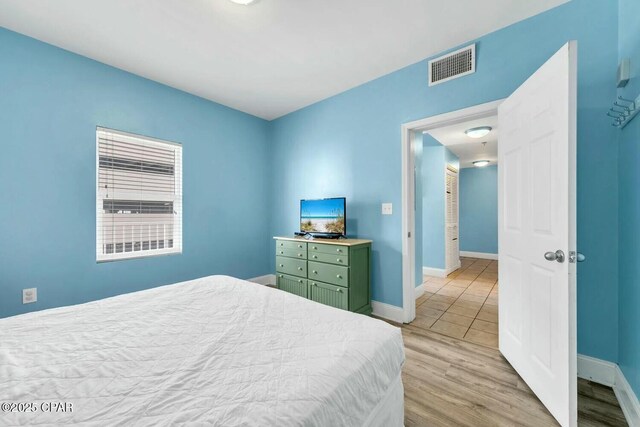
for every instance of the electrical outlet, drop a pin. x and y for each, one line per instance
(387, 209)
(29, 295)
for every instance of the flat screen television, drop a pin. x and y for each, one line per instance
(324, 217)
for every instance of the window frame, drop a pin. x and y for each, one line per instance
(177, 199)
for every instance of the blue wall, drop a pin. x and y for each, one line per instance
(347, 145)
(350, 145)
(432, 216)
(629, 175)
(418, 155)
(50, 104)
(479, 209)
(435, 158)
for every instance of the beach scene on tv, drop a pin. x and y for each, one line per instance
(322, 216)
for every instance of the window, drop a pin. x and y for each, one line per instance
(138, 197)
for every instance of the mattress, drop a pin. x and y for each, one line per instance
(216, 350)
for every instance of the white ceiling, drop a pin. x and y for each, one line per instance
(468, 149)
(267, 59)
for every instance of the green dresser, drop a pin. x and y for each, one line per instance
(332, 272)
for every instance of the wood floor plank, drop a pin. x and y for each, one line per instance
(452, 382)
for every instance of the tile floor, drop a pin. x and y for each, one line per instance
(463, 305)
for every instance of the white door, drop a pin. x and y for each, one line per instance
(537, 310)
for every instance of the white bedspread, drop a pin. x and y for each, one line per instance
(216, 350)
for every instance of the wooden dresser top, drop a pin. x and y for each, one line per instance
(340, 242)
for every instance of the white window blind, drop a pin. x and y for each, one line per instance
(138, 197)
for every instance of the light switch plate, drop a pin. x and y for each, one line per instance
(29, 295)
(387, 209)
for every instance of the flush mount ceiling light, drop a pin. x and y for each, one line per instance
(243, 2)
(481, 163)
(478, 132)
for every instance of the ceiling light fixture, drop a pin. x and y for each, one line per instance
(243, 2)
(481, 163)
(478, 132)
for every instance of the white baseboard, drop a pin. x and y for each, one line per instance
(627, 399)
(387, 311)
(268, 279)
(610, 374)
(435, 272)
(596, 370)
(419, 291)
(481, 255)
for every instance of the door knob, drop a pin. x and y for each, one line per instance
(576, 257)
(555, 256)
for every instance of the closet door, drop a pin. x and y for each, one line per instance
(452, 247)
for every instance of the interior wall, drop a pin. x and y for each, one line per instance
(479, 209)
(418, 150)
(349, 145)
(51, 101)
(432, 215)
(629, 221)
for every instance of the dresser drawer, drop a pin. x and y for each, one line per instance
(295, 267)
(330, 258)
(329, 273)
(327, 249)
(292, 284)
(335, 296)
(292, 253)
(290, 244)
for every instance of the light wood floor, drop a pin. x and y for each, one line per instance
(452, 382)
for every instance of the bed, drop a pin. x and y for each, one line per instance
(216, 350)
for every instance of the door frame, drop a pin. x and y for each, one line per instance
(410, 131)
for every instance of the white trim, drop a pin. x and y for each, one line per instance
(387, 311)
(609, 374)
(267, 279)
(596, 370)
(481, 255)
(419, 290)
(408, 141)
(435, 272)
(627, 399)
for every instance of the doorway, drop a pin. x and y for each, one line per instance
(536, 227)
(457, 231)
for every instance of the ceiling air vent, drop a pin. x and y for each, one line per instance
(452, 65)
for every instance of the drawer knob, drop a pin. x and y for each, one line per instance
(299, 268)
(315, 272)
(281, 252)
(339, 290)
(339, 260)
(300, 246)
(300, 255)
(281, 265)
(281, 276)
(315, 247)
(314, 284)
(281, 244)
(339, 276)
(338, 250)
(299, 281)
(315, 257)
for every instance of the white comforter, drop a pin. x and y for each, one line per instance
(216, 350)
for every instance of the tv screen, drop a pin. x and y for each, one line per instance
(323, 216)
